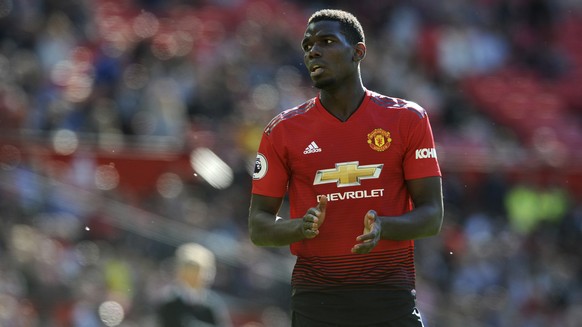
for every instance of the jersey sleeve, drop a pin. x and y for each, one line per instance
(420, 159)
(270, 177)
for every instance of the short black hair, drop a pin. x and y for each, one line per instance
(349, 23)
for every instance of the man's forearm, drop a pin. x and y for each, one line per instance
(421, 222)
(266, 230)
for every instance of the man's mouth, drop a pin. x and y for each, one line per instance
(316, 70)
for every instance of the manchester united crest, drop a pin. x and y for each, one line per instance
(379, 139)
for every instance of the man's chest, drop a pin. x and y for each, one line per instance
(346, 154)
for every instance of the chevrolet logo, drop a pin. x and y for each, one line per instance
(347, 174)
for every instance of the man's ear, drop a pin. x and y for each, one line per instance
(359, 52)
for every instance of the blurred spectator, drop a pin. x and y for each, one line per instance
(528, 205)
(189, 301)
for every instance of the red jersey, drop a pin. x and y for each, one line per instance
(360, 164)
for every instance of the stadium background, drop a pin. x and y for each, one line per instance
(129, 127)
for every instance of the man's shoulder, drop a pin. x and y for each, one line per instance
(288, 114)
(394, 103)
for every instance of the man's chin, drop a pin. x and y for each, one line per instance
(322, 83)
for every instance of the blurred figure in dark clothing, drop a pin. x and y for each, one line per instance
(189, 301)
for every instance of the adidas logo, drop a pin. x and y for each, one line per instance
(312, 148)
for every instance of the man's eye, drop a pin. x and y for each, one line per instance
(307, 47)
(328, 41)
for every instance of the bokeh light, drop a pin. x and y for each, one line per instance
(169, 185)
(210, 167)
(288, 77)
(146, 25)
(111, 313)
(23, 241)
(117, 34)
(106, 177)
(75, 75)
(79, 88)
(164, 46)
(184, 43)
(61, 72)
(65, 142)
(265, 97)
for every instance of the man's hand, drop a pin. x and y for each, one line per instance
(371, 235)
(313, 218)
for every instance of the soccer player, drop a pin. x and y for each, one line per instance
(363, 181)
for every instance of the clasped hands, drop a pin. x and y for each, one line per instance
(314, 218)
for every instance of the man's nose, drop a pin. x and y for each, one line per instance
(314, 51)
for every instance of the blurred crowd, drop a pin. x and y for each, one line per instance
(156, 81)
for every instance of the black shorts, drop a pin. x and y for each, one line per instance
(410, 320)
(359, 307)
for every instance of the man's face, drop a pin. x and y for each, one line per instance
(328, 55)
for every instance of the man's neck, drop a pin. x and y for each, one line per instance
(342, 102)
